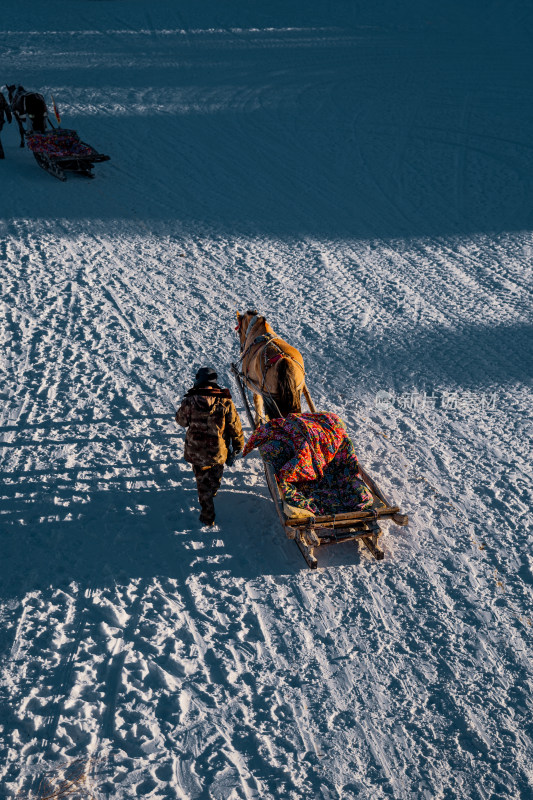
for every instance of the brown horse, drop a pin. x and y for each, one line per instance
(271, 368)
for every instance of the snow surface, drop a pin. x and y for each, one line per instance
(361, 172)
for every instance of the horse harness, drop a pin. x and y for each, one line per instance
(265, 340)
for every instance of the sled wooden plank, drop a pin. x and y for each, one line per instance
(271, 483)
(399, 518)
(346, 516)
(374, 549)
(308, 400)
(334, 535)
(306, 550)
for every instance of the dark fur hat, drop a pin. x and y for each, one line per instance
(205, 375)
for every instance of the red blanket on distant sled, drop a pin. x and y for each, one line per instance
(58, 144)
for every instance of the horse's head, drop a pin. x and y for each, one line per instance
(243, 324)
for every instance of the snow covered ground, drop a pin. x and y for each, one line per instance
(363, 175)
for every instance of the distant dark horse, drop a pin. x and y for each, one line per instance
(29, 108)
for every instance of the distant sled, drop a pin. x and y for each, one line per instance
(60, 150)
(310, 531)
(56, 150)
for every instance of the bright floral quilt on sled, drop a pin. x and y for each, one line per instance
(314, 462)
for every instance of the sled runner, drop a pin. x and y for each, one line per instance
(61, 149)
(311, 531)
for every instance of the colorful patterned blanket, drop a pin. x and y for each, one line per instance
(314, 462)
(59, 144)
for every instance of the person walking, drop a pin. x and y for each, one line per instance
(214, 436)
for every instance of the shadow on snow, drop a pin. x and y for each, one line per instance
(364, 134)
(117, 535)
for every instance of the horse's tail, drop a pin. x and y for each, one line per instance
(289, 395)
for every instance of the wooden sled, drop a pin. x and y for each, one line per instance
(310, 532)
(61, 149)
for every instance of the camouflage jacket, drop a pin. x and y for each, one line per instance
(212, 425)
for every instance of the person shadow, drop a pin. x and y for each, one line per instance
(111, 534)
